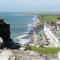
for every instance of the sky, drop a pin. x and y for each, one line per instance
(30, 5)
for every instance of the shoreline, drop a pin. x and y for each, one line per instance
(30, 25)
(28, 32)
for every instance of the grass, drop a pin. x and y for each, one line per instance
(48, 18)
(47, 51)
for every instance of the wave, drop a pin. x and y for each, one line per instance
(29, 28)
(34, 18)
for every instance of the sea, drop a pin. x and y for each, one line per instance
(18, 22)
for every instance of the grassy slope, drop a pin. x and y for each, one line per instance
(47, 51)
(48, 18)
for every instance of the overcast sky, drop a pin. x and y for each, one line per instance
(29, 5)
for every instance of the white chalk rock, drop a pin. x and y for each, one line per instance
(12, 58)
(59, 55)
(5, 55)
(1, 40)
(22, 48)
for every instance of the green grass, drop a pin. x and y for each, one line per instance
(48, 18)
(47, 51)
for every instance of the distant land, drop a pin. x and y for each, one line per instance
(33, 13)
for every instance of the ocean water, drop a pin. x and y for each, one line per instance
(18, 22)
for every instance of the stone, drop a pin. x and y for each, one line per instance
(59, 55)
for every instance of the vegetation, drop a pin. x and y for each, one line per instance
(47, 51)
(47, 18)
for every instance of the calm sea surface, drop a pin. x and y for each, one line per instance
(18, 22)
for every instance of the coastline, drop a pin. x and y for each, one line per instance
(28, 32)
(31, 24)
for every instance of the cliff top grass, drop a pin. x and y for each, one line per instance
(48, 18)
(46, 51)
